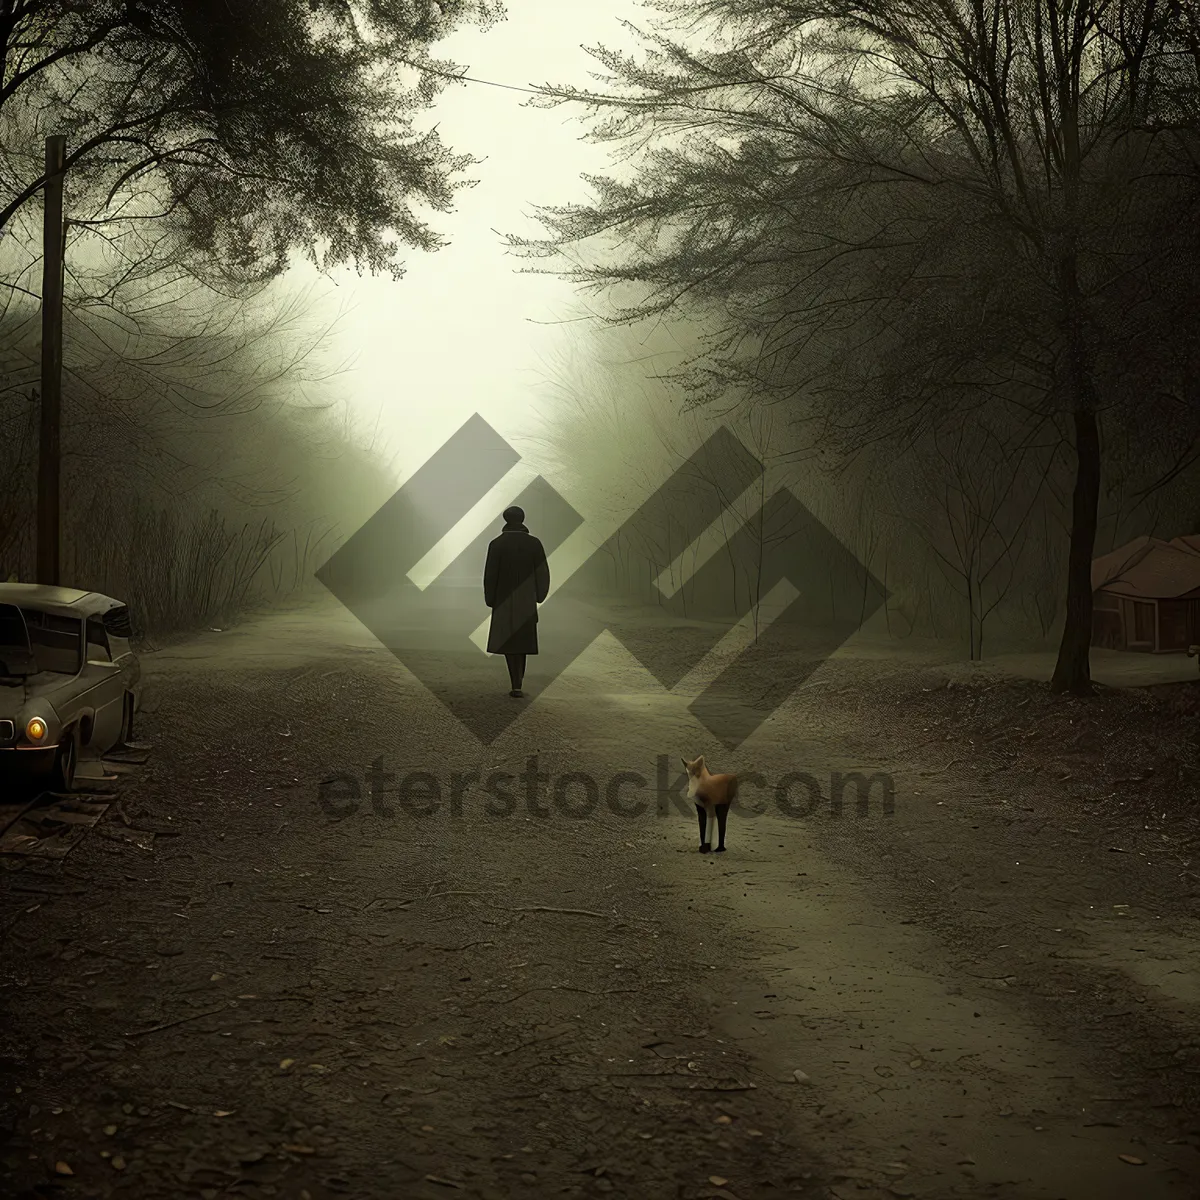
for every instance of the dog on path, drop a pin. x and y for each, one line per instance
(712, 794)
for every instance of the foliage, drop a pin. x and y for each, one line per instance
(902, 216)
(246, 131)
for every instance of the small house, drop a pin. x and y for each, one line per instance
(1146, 596)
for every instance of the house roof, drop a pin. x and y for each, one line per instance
(1150, 569)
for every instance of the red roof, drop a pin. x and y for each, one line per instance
(1150, 568)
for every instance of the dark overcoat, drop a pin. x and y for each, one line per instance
(516, 579)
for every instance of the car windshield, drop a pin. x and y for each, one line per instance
(57, 642)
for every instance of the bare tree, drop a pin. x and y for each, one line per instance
(182, 402)
(975, 492)
(905, 213)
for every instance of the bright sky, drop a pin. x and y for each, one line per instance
(458, 335)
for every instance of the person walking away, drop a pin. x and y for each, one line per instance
(516, 579)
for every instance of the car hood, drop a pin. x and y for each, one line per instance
(13, 695)
(45, 686)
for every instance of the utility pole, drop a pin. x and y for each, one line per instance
(49, 457)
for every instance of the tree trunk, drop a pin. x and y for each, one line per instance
(1072, 672)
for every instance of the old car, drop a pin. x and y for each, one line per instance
(68, 680)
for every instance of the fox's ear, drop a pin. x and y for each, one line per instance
(685, 763)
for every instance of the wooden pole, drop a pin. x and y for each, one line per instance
(49, 457)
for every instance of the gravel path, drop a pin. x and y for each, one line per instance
(284, 996)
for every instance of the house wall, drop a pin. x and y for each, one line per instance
(1152, 626)
(1175, 624)
(1140, 620)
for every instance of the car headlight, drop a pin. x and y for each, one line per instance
(36, 729)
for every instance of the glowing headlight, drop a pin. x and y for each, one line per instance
(36, 729)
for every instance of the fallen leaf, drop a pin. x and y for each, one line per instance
(800, 1077)
(221, 1112)
(1129, 1158)
(717, 1180)
(285, 1063)
(724, 1120)
(119, 1163)
(296, 1148)
(61, 1168)
(109, 1130)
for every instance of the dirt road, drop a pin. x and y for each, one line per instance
(992, 991)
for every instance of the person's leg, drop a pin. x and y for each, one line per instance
(513, 662)
(521, 661)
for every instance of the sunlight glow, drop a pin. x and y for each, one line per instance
(462, 331)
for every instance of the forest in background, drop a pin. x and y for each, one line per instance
(937, 273)
(209, 456)
(951, 249)
(966, 529)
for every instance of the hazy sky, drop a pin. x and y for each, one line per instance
(457, 334)
(463, 332)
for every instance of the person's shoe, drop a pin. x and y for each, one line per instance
(517, 693)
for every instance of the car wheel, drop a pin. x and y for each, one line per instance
(65, 761)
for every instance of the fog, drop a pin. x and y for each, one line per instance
(345, 848)
(297, 419)
(467, 330)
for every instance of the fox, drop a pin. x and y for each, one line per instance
(712, 794)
